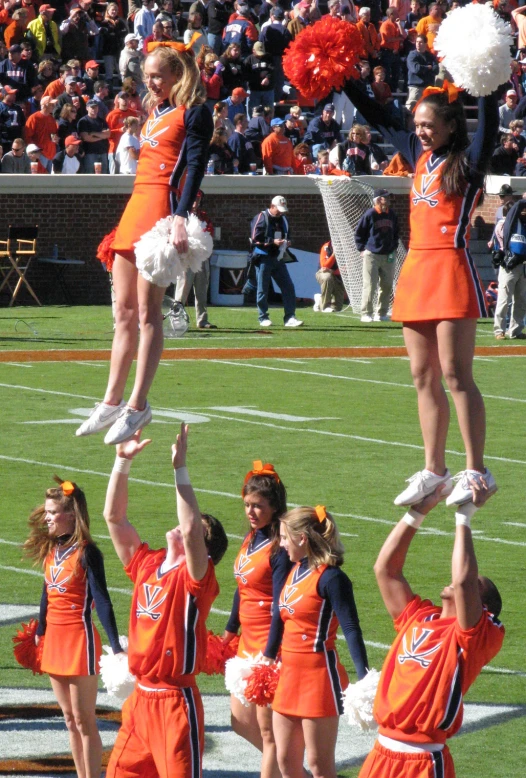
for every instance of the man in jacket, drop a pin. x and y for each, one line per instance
(43, 33)
(422, 67)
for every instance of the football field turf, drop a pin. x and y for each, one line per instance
(341, 431)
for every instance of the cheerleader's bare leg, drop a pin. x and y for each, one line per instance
(433, 406)
(456, 347)
(151, 340)
(126, 334)
(269, 762)
(77, 697)
(320, 743)
(290, 744)
(245, 723)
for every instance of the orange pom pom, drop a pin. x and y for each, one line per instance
(217, 653)
(262, 684)
(323, 57)
(26, 652)
(105, 251)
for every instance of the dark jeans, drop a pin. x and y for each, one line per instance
(391, 62)
(272, 268)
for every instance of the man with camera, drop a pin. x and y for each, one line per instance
(512, 274)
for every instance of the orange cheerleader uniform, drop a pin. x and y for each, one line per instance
(260, 576)
(172, 160)
(74, 583)
(162, 732)
(312, 677)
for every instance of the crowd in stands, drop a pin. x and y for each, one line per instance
(72, 72)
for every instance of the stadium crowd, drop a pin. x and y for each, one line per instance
(71, 83)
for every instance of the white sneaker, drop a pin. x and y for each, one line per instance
(328, 310)
(423, 483)
(462, 491)
(127, 425)
(102, 417)
(317, 300)
(265, 323)
(377, 317)
(293, 322)
(366, 318)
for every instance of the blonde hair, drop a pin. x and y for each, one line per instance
(39, 543)
(359, 129)
(188, 90)
(323, 545)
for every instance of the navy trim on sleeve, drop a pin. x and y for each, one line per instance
(281, 567)
(42, 617)
(199, 129)
(93, 563)
(233, 623)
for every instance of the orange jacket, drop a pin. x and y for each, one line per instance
(277, 150)
(371, 39)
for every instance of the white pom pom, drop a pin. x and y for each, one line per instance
(159, 262)
(237, 670)
(358, 701)
(115, 673)
(475, 45)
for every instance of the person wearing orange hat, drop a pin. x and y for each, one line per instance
(67, 161)
(43, 33)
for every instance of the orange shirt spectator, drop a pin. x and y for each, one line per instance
(55, 88)
(429, 25)
(277, 150)
(520, 22)
(14, 32)
(390, 33)
(371, 39)
(115, 120)
(41, 129)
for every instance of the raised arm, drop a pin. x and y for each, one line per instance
(188, 513)
(124, 536)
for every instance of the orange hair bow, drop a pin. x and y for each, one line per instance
(449, 89)
(262, 469)
(320, 512)
(67, 488)
(152, 45)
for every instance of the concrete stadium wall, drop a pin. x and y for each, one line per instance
(75, 212)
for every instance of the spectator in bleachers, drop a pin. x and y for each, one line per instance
(130, 59)
(58, 86)
(32, 105)
(505, 156)
(172, 12)
(45, 74)
(516, 128)
(129, 85)
(277, 150)
(113, 31)
(129, 147)
(275, 37)
(301, 20)
(68, 98)
(241, 30)
(95, 134)
(242, 148)
(236, 103)
(364, 82)
(323, 131)
(378, 159)
(299, 118)
(219, 12)
(402, 8)
(428, 25)
(91, 75)
(157, 35)
(195, 24)
(260, 77)
(220, 153)
(66, 161)
(41, 130)
(76, 30)
(202, 8)
(33, 152)
(212, 80)
(515, 81)
(29, 6)
(17, 73)
(265, 11)
(221, 120)
(100, 93)
(258, 126)
(507, 110)
(144, 21)
(370, 37)
(334, 8)
(115, 121)
(234, 72)
(12, 119)
(303, 162)
(292, 131)
(353, 155)
(391, 36)
(43, 33)
(14, 32)
(67, 123)
(422, 67)
(16, 161)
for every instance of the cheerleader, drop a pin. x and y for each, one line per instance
(317, 596)
(174, 149)
(75, 581)
(439, 296)
(260, 570)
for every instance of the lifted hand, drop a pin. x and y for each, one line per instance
(130, 448)
(179, 448)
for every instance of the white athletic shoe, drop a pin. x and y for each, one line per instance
(317, 300)
(127, 425)
(293, 322)
(102, 417)
(366, 319)
(327, 310)
(462, 491)
(423, 483)
(377, 317)
(265, 323)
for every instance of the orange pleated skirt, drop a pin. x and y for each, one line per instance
(310, 685)
(145, 207)
(71, 649)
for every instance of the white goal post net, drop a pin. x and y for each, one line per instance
(345, 201)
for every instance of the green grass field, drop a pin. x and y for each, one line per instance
(342, 432)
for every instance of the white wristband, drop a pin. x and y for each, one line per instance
(413, 518)
(121, 465)
(181, 477)
(465, 513)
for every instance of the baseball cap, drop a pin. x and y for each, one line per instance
(277, 121)
(242, 8)
(304, 4)
(381, 193)
(505, 190)
(280, 203)
(329, 107)
(92, 104)
(511, 92)
(130, 37)
(32, 147)
(15, 48)
(290, 118)
(258, 47)
(277, 12)
(9, 90)
(70, 80)
(92, 64)
(72, 140)
(46, 7)
(239, 92)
